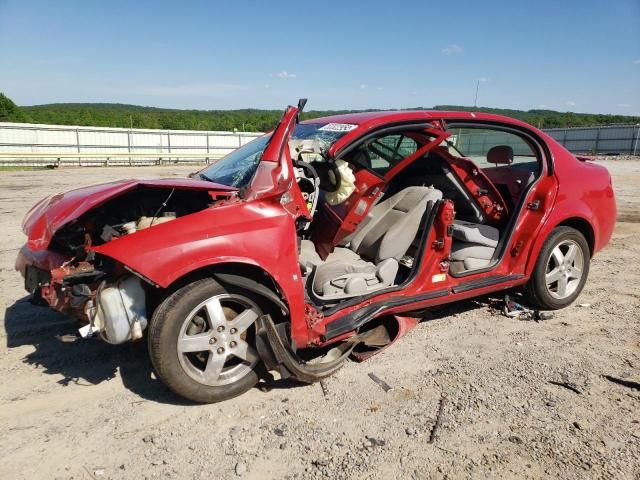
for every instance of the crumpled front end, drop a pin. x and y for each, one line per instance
(61, 267)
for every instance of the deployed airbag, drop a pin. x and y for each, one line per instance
(346, 187)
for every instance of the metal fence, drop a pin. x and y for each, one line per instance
(40, 145)
(29, 144)
(614, 139)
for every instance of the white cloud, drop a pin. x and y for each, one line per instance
(284, 75)
(637, 61)
(452, 49)
(363, 86)
(570, 104)
(483, 79)
(543, 106)
(624, 105)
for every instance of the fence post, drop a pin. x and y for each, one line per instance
(595, 147)
(635, 146)
(78, 146)
(207, 159)
(129, 144)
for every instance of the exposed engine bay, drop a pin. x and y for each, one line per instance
(94, 287)
(136, 210)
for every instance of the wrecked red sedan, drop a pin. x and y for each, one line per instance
(320, 240)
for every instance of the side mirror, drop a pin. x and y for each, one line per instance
(301, 103)
(500, 155)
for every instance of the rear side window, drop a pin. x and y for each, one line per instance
(475, 143)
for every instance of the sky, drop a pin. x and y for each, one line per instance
(566, 55)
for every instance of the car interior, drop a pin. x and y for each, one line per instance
(486, 190)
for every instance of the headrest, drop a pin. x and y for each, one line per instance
(500, 155)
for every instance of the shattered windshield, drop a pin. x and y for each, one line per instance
(237, 168)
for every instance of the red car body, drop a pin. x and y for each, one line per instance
(259, 229)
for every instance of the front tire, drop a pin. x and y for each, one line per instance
(202, 341)
(561, 270)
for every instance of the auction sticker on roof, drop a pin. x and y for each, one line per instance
(337, 127)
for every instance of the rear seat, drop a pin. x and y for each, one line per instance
(473, 245)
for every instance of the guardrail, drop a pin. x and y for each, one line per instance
(47, 145)
(608, 139)
(57, 159)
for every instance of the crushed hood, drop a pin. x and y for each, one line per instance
(55, 211)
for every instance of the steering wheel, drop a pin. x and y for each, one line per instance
(308, 167)
(329, 174)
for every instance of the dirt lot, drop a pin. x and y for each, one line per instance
(84, 409)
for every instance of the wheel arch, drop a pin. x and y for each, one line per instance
(242, 274)
(580, 223)
(584, 227)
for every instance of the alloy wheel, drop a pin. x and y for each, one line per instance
(215, 340)
(564, 270)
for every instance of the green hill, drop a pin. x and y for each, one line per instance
(121, 115)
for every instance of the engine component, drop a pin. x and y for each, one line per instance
(146, 222)
(120, 312)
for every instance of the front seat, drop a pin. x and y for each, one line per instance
(370, 260)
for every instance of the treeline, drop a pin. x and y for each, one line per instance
(250, 120)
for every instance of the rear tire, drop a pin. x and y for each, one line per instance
(561, 270)
(202, 341)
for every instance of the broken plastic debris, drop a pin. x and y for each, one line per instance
(515, 310)
(538, 315)
(384, 385)
(87, 331)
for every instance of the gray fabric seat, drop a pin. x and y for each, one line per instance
(370, 260)
(476, 233)
(473, 245)
(309, 258)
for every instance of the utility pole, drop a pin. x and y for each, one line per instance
(475, 101)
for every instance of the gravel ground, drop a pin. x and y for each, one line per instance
(79, 409)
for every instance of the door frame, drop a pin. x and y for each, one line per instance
(545, 163)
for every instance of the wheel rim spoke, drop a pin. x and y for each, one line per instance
(194, 343)
(245, 352)
(215, 312)
(575, 272)
(570, 256)
(244, 320)
(214, 366)
(557, 255)
(562, 286)
(553, 276)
